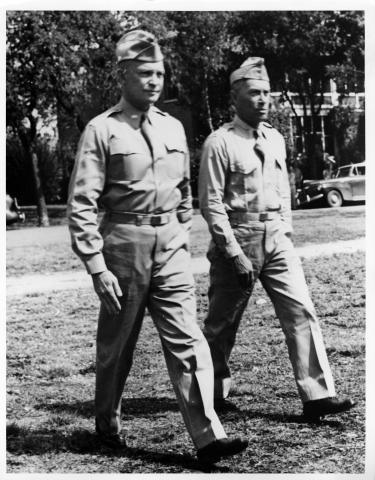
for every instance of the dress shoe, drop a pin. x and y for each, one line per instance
(315, 409)
(115, 441)
(223, 405)
(224, 447)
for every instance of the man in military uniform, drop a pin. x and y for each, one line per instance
(134, 160)
(245, 198)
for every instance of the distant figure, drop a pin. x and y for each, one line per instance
(295, 178)
(13, 211)
(329, 165)
(297, 165)
(292, 184)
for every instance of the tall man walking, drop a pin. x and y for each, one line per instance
(245, 198)
(133, 159)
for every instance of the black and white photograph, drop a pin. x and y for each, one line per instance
(187, 240)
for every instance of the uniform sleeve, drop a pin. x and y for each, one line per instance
(212, 176)
(86, 185)
(185, 208)
(285, 201)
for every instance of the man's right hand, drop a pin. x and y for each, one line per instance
(244, 270)
(108, 289)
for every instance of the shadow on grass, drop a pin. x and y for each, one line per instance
(82, 409)
(184, 461)
(228, 411)
(137, 407)
(145, 407)
(21, 441)
(284, 418)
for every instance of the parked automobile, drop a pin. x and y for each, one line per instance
(346, 185)
(13, 211)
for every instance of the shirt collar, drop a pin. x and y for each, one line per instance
(134, 116)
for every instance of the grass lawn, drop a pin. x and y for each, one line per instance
(51, 375)
(310, 226)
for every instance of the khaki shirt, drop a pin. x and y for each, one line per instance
(233, 178)
(114, 169)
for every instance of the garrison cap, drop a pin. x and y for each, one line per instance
(253, 68)
(138, 45)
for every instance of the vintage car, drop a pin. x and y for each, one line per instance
(13, 211)
(346, 185)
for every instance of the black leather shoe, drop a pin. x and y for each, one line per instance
(223, 405)
(115, 441)
(315, 409)
(224, 447)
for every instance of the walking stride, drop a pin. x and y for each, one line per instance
(244, 196)
(133, 161)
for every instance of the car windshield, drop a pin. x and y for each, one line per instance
(343, 172)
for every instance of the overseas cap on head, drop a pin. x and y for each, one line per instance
(138, 45)
(253, 68)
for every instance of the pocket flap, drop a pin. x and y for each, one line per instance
(243, 167)
(175, 145)
(120, 146)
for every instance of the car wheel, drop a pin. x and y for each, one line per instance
(334, 198)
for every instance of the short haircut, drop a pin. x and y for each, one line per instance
(237, 85)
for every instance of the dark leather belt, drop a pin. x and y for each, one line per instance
(142, 218)
(254, 216)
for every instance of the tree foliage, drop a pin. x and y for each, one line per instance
(62, 61)
(56, 60)
(57, 57)
(197, 46)
(305, 49)
(349, 132)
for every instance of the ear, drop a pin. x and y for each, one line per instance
(233, 95)
(120, 72)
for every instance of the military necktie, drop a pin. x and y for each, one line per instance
(258, 148)
(271, 199)
(147, 133)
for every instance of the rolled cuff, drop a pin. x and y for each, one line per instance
(95, 263)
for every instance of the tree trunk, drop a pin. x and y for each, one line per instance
(43, 220)
(207, 103)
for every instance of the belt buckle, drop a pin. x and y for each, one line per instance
(138, 220)
(263, 216)
(156, 220)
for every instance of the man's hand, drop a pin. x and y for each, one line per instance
(244, 270)
(108, 289)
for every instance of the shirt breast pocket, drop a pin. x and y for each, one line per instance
(175, 158)
(244, 176)
(127, 162)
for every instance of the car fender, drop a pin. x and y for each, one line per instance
(343, 188)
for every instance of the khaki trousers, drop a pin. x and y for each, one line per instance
(152, 265)
(279, 269)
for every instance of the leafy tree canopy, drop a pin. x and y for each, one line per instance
(58, 57)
